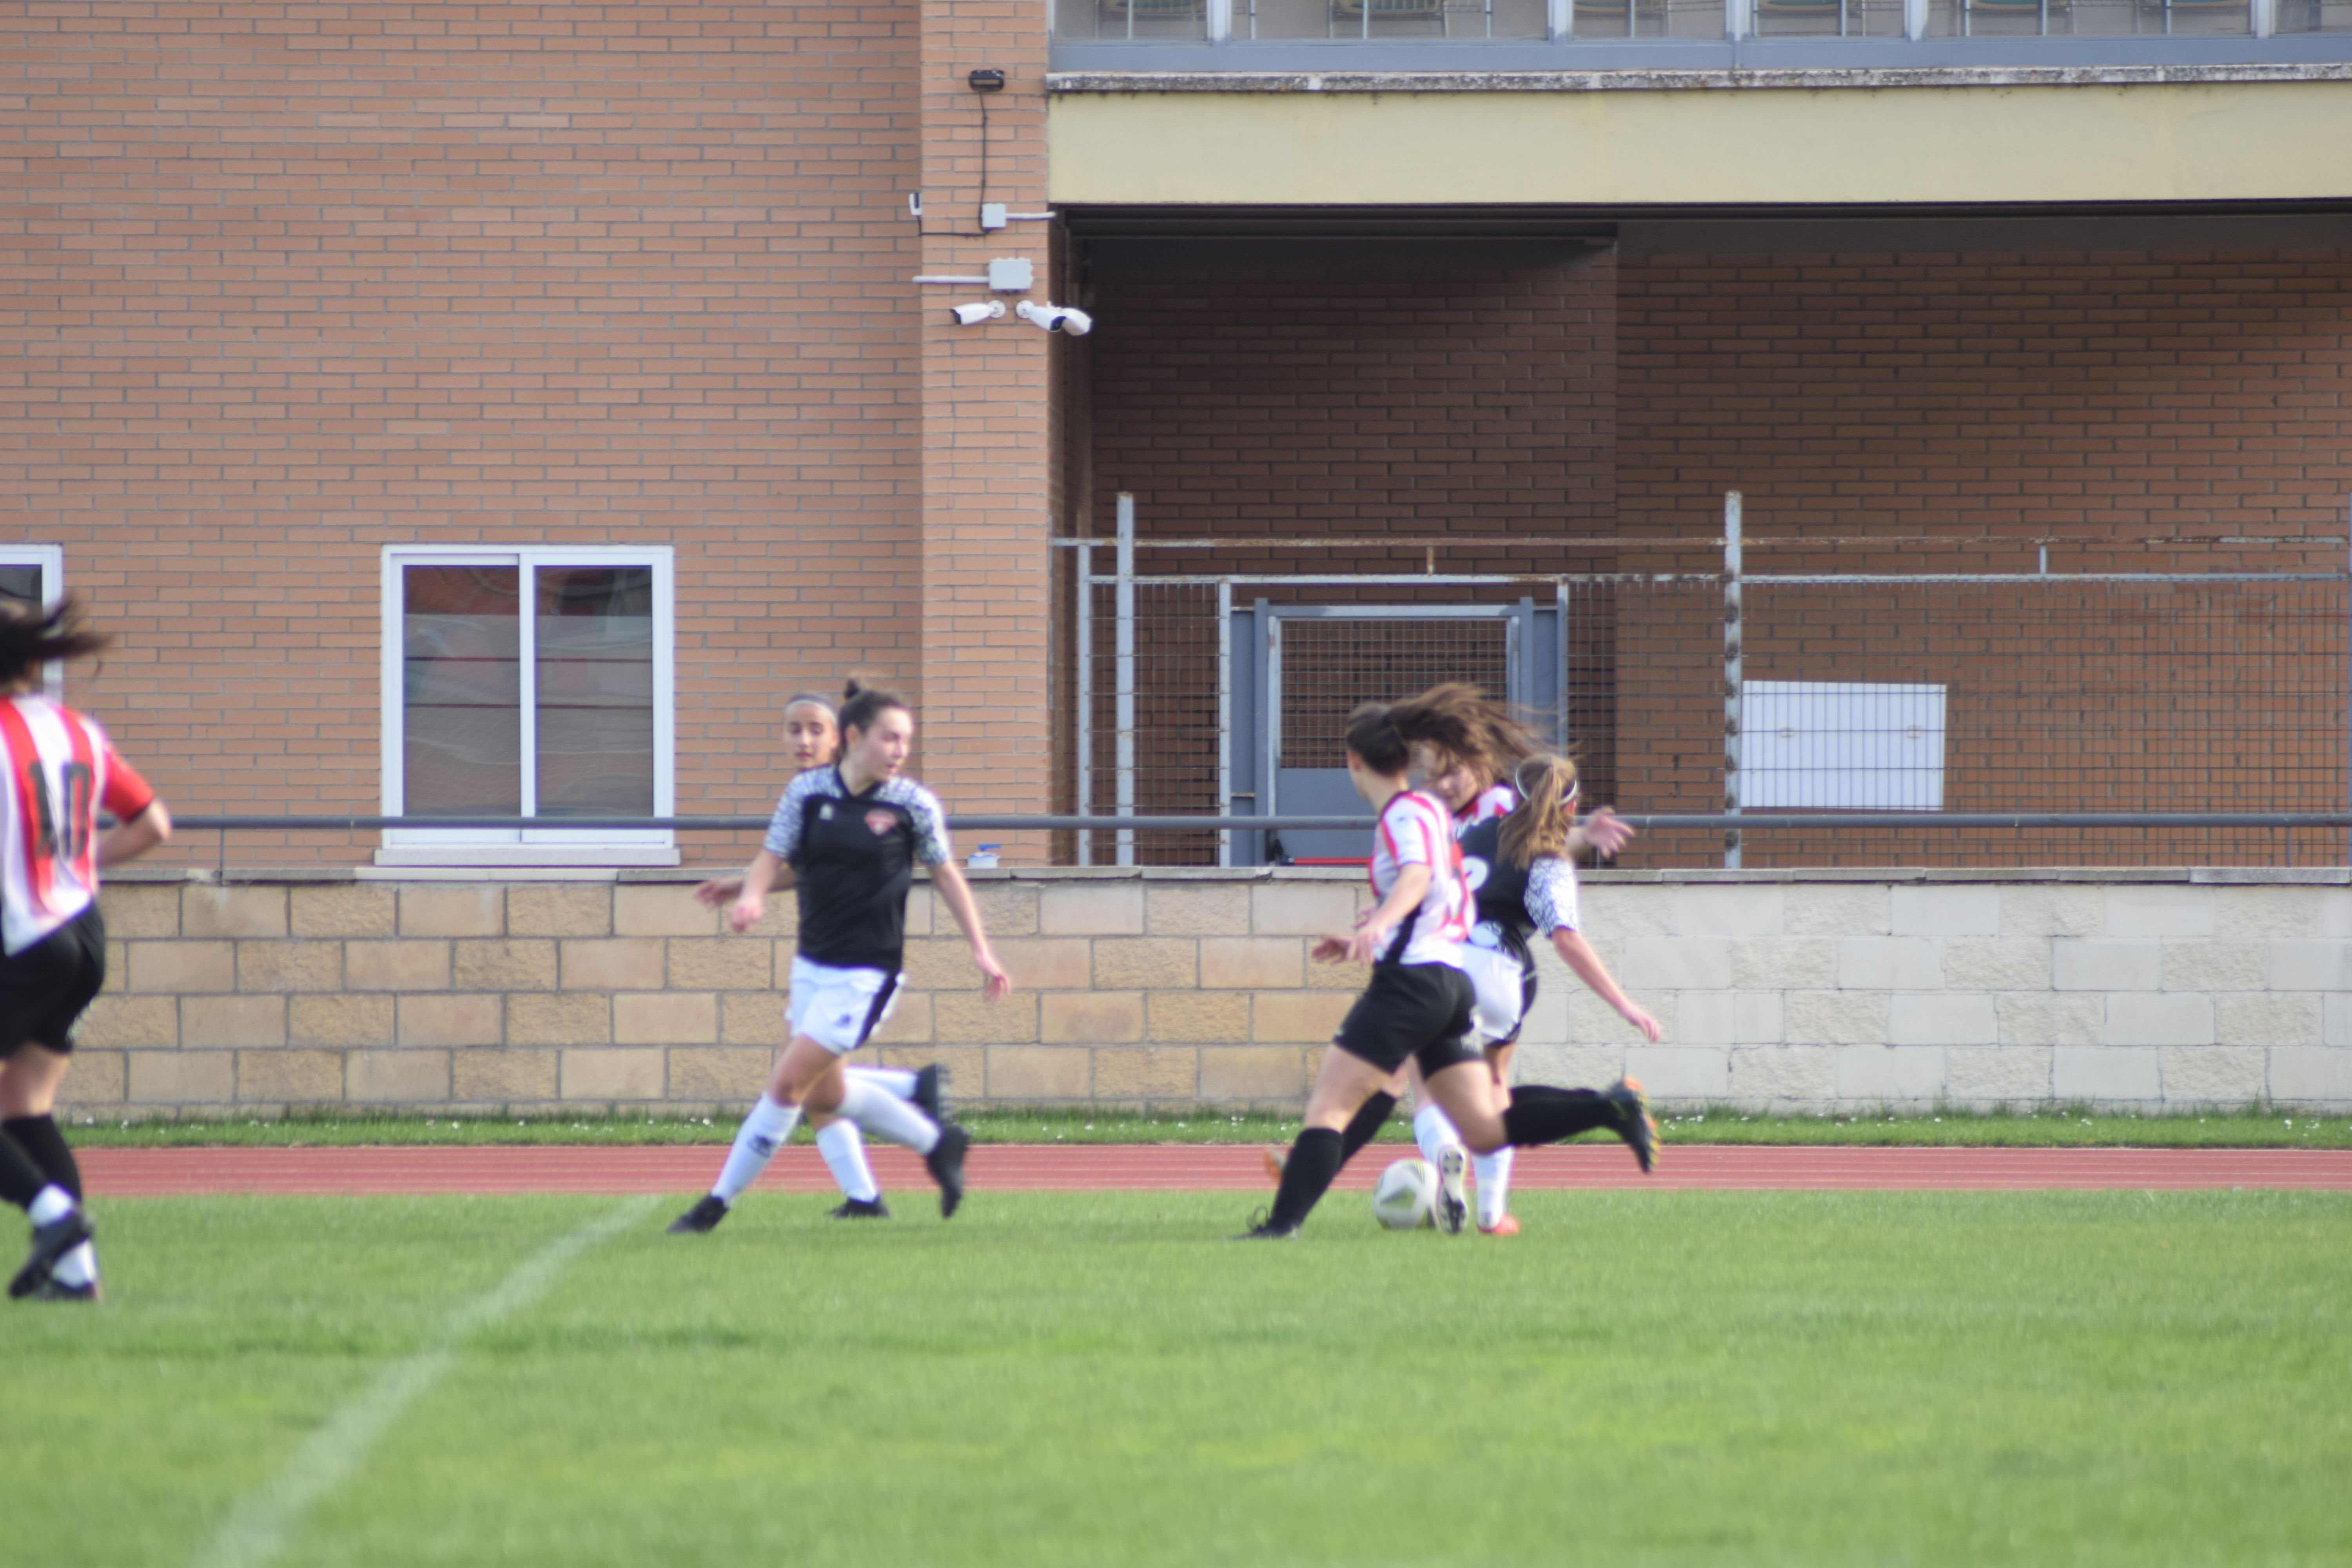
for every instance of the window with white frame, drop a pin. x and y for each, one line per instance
(33, 577)
(532, 682)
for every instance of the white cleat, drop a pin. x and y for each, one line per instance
(1452, 1162)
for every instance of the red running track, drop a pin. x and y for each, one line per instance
(1198, 1167)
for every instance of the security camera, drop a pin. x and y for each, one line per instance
(1056, 318)
(973, 315)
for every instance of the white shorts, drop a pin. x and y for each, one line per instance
(1501, 990)
(839, 1008)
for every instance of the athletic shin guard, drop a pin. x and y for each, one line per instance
(1314, 1163)
(766, 1128)
(1540, 1114)
(39, 1137)
(1370, 1117)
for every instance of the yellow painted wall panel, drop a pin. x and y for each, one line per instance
(2205, 142)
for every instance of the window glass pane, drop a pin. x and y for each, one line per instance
(461, 655)
(21, 583)
(594, 646)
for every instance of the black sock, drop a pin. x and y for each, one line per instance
(20, 1179)
(1369, 1119)
(1314, 1163)
(39, 1137)
(1539, 1114)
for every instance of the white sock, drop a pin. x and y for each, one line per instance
(885, 1115)
(764, 1131)
(77, 1267)
(1433, 1132)
(50, 1205)
(1493, 1172)
(845, 1157)
(897, 1080)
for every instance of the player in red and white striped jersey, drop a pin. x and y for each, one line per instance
(60, 772)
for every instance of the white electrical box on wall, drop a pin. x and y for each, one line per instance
(1839, 746)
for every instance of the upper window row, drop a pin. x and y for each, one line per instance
(1600, 21)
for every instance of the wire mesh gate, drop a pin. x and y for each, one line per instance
(1759, 694)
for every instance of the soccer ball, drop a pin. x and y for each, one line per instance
(1405, 1198)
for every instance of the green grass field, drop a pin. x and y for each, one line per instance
(2249, 1127)
(1646, 1377)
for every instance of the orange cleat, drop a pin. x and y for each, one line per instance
(1275, 1160)
(1507, 1225)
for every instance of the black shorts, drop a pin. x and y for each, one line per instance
(44, 990)
(1410, 1012)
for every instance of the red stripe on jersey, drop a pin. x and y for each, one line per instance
(80, 830)
(123, 792)
(32, 789)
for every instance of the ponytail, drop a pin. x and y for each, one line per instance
(1538, 826)
(861, 705)
(31, 637)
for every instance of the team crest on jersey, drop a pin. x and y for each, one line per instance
(824, 812)
(881, 821)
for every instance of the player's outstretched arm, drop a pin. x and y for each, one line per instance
(721, 892)
(129, 840)
(956, 893)
(752, 891)
(1604, 832)
(1577, 954)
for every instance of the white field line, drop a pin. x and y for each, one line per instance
(257, 1529)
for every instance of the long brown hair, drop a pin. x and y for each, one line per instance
(1538, 826)
(31, 637)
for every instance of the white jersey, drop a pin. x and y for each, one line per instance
(61, 771)
(1496, 800)
(1414, 830)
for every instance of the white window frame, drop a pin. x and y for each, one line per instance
(51, 560)
(465, 847)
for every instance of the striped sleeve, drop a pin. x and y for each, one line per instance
(783, 839)
(1411, 833)
(1551, 895)
(932, 846)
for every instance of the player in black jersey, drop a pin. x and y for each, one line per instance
(813, 737)
(852, 833)
(1525, 880)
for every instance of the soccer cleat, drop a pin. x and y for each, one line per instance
(1451, 1210)
(1507, 1225)
(52, 1289)
(50, 1242)
(1263, 1228)
(1276, 1159)
(946, 1162)
(1634, 1122)
(926, 1095)
(703, 1218)
(861, 1208)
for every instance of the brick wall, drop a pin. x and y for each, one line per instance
(285, 285)
(2096, 394)
(1354, 389)
(2170, 988)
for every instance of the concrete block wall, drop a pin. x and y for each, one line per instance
(1183, 988)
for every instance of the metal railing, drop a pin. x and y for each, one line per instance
(2085, 699)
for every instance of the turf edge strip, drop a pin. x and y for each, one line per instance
(256, 1527)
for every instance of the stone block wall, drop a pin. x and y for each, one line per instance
(1785, 990)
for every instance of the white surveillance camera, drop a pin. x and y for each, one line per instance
(973, 315)
(1056, 318)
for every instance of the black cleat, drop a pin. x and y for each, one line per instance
(861, 1208)
(1634, 1122)
(926, 1095)
(50, 1242)
(703, 1218)
(946, 1162)
(1263, 1228)
(52, 1289)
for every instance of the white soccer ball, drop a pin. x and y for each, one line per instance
(1405, 1197)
